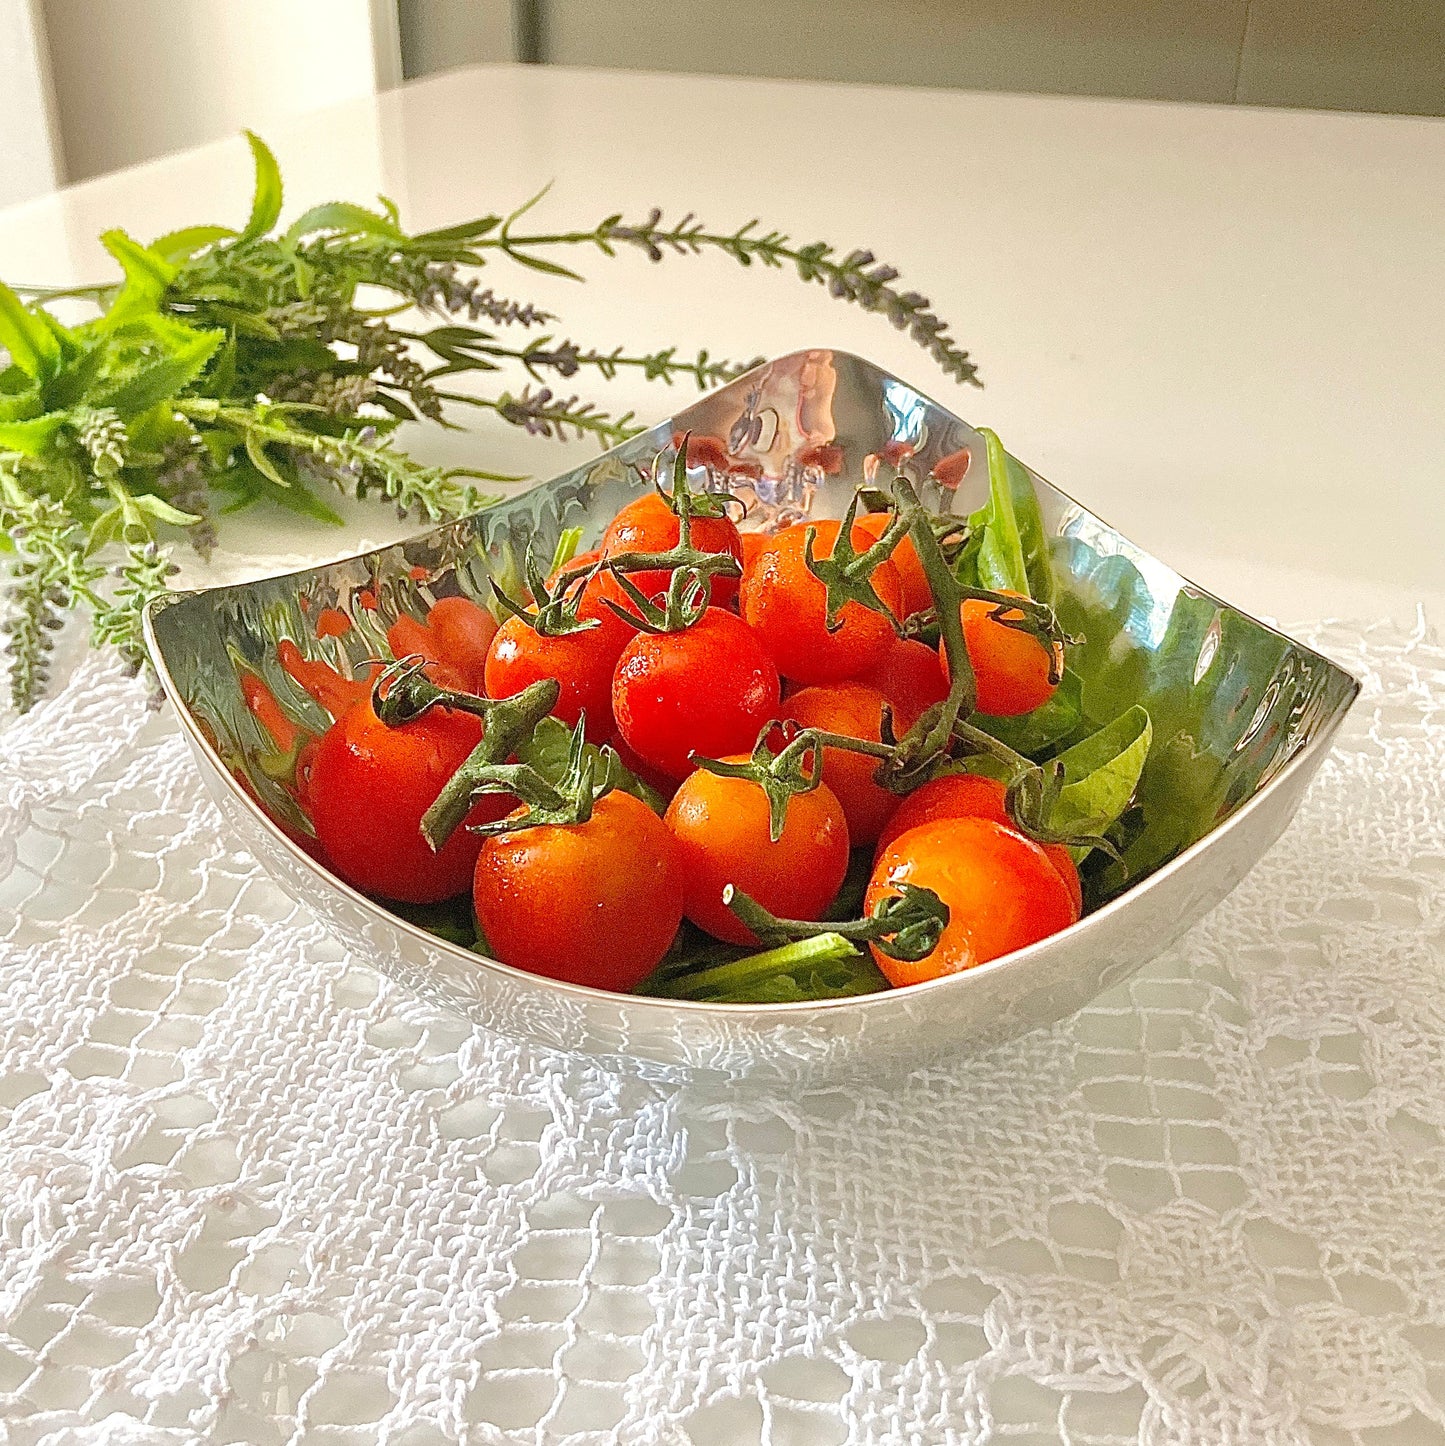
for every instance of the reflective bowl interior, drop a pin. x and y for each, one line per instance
(1232, 700)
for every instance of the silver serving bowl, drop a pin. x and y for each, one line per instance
(1242, 718)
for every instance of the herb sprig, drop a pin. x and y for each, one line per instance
(229, 367)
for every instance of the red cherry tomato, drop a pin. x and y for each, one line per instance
(1002, 893)
(648, 524)
(581, 662)
(720, 826)
(369, 786)
(910, 677)
(595, 903)
(1010, 667)
(857, 711)
(968, 795)
(917, 595)
(463, 631)
(709, 689)
(786, 604)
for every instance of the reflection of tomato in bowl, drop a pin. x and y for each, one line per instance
(604, 771)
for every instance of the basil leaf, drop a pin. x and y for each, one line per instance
(1101, 773)
(266, 200)
(32, 345)
(547, 751)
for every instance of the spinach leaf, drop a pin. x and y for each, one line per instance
(1053, 721)
(1011, 552)
(1101, 773)
(547, 751)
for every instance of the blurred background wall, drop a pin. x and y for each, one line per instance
(98, 84)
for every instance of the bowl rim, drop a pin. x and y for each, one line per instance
(777, 1011)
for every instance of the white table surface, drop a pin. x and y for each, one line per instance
(1222, 328)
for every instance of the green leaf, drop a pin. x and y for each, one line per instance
(343, 216)
(162, 510)
(177, 246)
(147, 274)
(1032, 734)
(1101, 773)
(256, 451)
(266, 200)
(32, 438)
(32, 345)
(71, 385)
(21, 406)
(547, 268)
(462, 231)
(105, 529)
(547, 751)
(160, 380)
(826, 966)
(1011, 553)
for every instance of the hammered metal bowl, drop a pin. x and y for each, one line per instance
(1242, 718)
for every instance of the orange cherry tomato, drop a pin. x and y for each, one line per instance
(1010, 667)
(1002, 893)
(786, 604)
(720, 826)
(917, 595)
(969, 795)
(369, 786)
(595, 903)
(857, 711)
(752, 544)
(909, 676)
(648, 524)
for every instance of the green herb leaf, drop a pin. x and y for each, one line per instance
(1052, 722)
(31, 343)
(162, 510)
(266, 201)
(32, 438)
(163, 379)
(147, 274)
(178, 246)
(1101, 773)
(341, 216)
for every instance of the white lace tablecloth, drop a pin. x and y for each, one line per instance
(251, 1192)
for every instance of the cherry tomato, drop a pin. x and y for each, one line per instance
(786, 604)
(1002, 893)
(582, 662)
(910, 678)
(720, 826)
(708, 688)
(752, 544)
(648, 524)
(856, 711)
(1010, 667)
(917, 595)
(969, 795)
(594, 903)
(369, 786)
